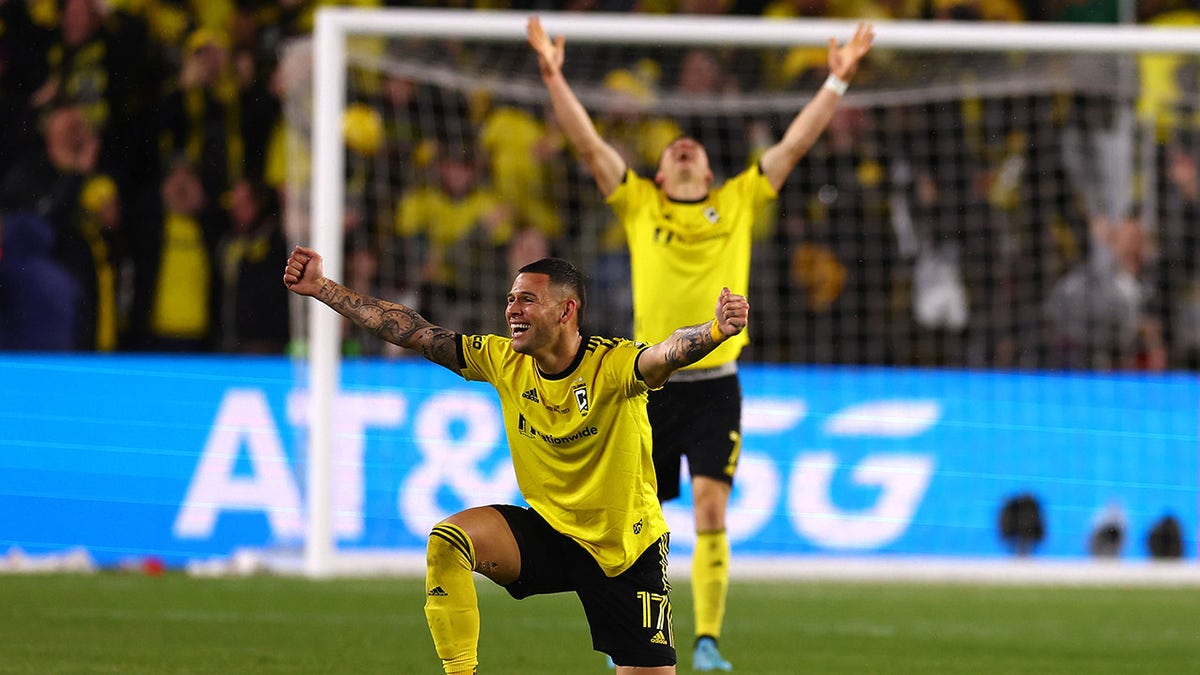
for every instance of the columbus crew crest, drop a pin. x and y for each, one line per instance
(579, 389)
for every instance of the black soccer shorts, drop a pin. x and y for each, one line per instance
(629, 615)
(702, 420)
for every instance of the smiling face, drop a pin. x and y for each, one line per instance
(538, 313)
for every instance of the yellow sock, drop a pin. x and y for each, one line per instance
(451, 606)
(710, 581)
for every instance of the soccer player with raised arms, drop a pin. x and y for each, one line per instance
(687, 238)
(574, 409)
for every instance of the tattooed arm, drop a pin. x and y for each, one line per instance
(391, 321)
(690, 344)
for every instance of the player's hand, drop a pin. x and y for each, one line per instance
(550, 53)
(302, 274)
(843, 61)
(733, 312)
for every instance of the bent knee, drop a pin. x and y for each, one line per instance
(449, 545)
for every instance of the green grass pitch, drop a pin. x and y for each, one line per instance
(131, 624)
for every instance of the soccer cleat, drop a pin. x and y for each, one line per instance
(706, 658)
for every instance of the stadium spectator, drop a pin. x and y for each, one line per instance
(261, 111)
(253, 312)
(363, 272)
(458, 228)
(1169, 84)
(101, 60)
(402, 134)
(362, 131)
(842, 262)
(115, 59)
(175, 233)
(1102, 313)
(519, 150)
(703, 73)
(109, 270)
(48, 182)
(49, 176)
(575, 413)
(679, 222)
(627, 119)
(931, 244)
(526, 246)
(1178, 265)
(794, 66)
(201, 116)
(39, 298)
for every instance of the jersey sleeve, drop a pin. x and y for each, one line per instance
(477, 357)
(629, 196)
(622, 366)
(753, 187)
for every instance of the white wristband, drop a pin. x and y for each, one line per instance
(836, 84)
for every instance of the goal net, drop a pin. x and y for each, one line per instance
(987, 197)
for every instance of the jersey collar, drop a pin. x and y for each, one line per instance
(583, 347)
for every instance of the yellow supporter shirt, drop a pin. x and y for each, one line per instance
(580, 442)
(510, 137)
(1164, 80)
(445, 222)
(683, 253)
(181, 301)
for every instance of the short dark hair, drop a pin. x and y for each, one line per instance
(561, 273)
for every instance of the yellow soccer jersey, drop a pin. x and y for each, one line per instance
(580, 442)
(683, 253)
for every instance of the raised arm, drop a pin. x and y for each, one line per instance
(391, 321)
(603, 160)
(690, 344)
(778, 160)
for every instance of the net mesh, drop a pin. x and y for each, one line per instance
(966, 210)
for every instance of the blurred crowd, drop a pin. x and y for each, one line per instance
(144, 173)
(133, 203)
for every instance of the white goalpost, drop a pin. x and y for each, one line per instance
(322, 221)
